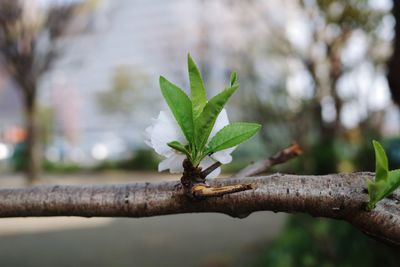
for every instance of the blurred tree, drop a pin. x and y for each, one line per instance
(124, 92)
(307, 99)
(28, 48)
(333, 24)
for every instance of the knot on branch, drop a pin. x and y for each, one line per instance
(194, 183)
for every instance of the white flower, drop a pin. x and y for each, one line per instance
(165, 129)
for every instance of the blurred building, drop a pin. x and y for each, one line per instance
(153, 38)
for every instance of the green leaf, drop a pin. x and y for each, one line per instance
(233, 78)
(206, 120)
(198, 92)
(393, 181)
(178, 146)
(378, 190)
(180, 105)
(386, 182)
(232, 135)
(381, 161)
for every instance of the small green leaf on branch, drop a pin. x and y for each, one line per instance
(386, 182)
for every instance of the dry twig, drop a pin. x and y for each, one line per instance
(282, 156)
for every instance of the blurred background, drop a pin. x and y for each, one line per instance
(79, 84)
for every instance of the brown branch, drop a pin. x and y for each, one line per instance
(339, 196)
(262, 166)
(211, 169)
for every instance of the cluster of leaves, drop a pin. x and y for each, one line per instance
(196, 117)
(386, 182)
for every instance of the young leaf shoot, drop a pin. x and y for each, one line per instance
(197, 116)
(386, 182)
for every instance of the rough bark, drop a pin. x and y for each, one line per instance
(339, 196)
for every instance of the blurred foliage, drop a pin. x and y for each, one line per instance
(350, 14)
(392, 146)
(234, 166)
(62, 167)
(124, 92)
(142, 159)
(308, 242)
(45, 118)
(18, 159)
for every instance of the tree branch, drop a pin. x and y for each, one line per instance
(339, 196)
(210, 169)
(262, 166)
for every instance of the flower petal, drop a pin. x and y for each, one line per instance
(215, 173)
(173, 163)
(223, 156)
(164, 130)
(221, 121)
